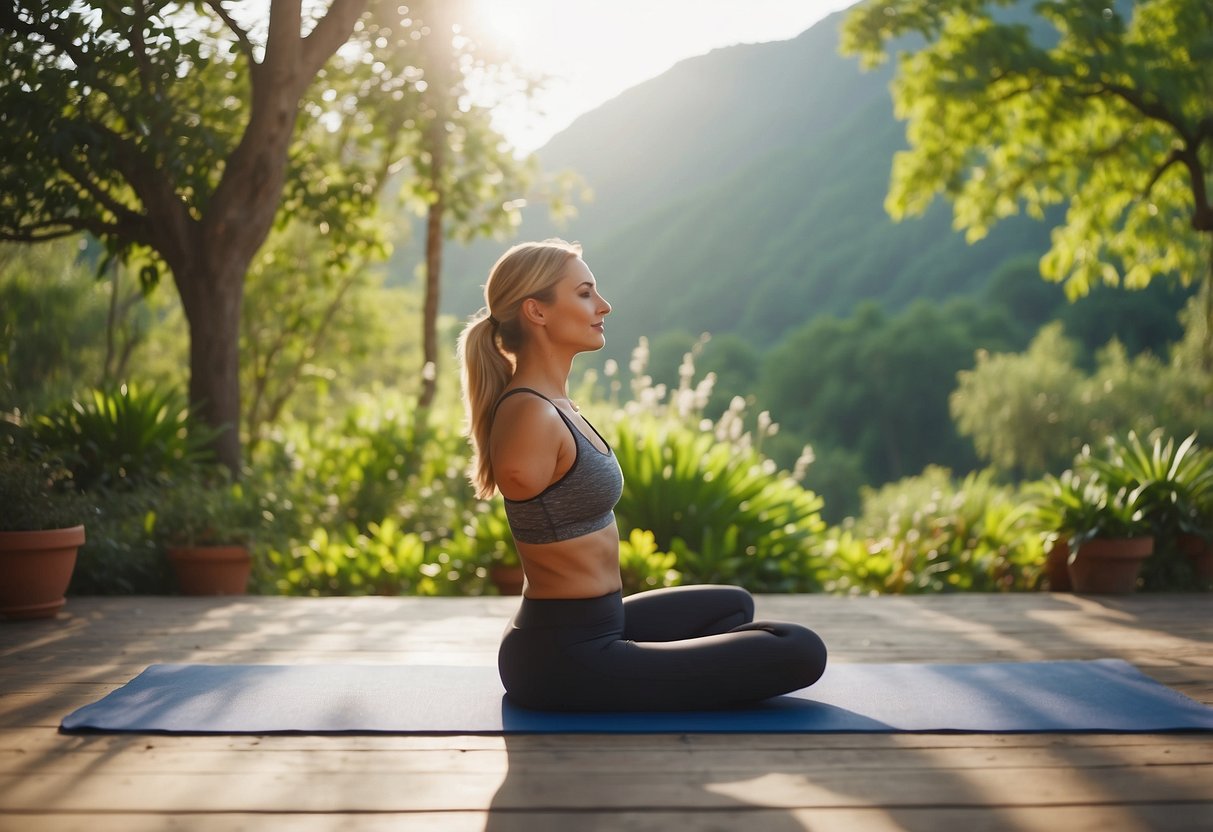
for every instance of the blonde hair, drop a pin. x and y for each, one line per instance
(489, 344)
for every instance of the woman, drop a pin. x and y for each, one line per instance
(576, 643)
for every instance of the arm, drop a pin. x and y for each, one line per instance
(531, 447)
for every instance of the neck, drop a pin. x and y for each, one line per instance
(546, 373)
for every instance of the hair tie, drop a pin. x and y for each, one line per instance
(494, 321)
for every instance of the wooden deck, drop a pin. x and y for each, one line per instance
(848, 782)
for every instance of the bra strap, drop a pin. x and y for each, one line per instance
(568, 423)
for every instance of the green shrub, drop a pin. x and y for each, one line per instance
(854, 566)
(384, 560)
(642, 567)
(1078, 506)
(929, 534)
(376, 466)
(207, 509)
(376, 461)
(125, 437)
(120, 555)
(36, 491)
(706, 492)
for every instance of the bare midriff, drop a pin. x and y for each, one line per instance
(582, 567)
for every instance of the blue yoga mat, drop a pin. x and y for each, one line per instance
(1106, 695)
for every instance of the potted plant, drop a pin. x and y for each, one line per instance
(1104, 531)
(1057, 507)
(41, 530)
(1107, 556)
(1176, 485)
(206, 527)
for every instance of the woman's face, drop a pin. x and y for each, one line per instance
(577, 312)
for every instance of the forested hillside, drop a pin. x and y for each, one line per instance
(742, 191)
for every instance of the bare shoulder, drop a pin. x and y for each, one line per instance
(523, 413)
(527, 445)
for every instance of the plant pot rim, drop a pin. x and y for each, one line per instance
(43, 538)
(209, 552)
(1139, 547)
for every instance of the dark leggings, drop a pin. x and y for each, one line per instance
(685, 648)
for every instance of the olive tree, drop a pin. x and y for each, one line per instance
(1106, 107)
(165, 129)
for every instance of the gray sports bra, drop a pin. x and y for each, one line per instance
(580, 502)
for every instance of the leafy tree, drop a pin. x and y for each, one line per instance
(1030, 413)
(1023, 411)
(1104, 108)
(466, 180)
(164, 129)
(183, 133)
(305, 321)
(1142, 320)
(52, 318)
(878, 385)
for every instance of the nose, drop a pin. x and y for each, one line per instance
(603, 307)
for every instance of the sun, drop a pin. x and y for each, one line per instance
(507, 27)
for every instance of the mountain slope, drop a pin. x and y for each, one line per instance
(743, 191)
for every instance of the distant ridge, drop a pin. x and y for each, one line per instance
(742, 191)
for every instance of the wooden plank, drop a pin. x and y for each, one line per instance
(1074, 781)
(565, 789)
(151, 756)
(1148, 818)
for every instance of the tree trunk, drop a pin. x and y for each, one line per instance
(212, 295)
(214, 258)
(1207, 351)
(433, 272)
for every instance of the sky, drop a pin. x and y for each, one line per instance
(592, 50)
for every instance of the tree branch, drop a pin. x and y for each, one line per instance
(154, 190)
(1155, 111)
(1202, 213)
(81, 177)
(331, 31)
(1173, 157)
(246, 45)
(320, 332)
(55, 229)
(139, 49)
(65, 47)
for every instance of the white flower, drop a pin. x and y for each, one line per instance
(640, 357)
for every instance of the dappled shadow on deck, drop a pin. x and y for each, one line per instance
(900, 781)
(777, 782)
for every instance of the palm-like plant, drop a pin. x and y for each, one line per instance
(125, 436)
(1176, 485)
(724, 509)
(1078, 508)
(1176, 479)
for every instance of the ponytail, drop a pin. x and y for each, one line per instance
(486, 373)
(490, 341)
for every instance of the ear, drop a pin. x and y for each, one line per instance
(533, 311)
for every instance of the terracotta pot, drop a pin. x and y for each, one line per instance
(35, 569)
(507, 579)
(1200, 552)
(212, 570)
(1107, 565)
(1057, 570)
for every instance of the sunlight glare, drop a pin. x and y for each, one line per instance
(590, 51)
